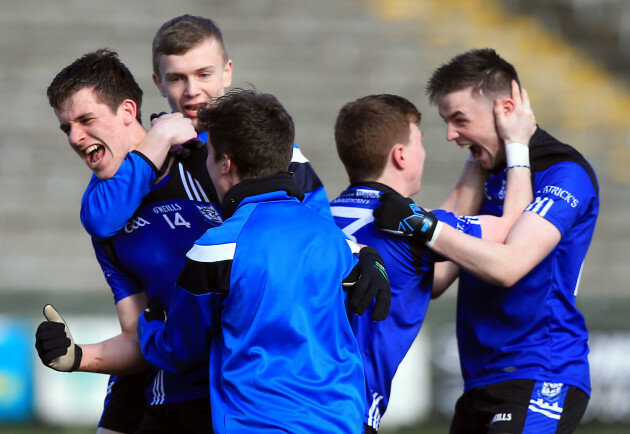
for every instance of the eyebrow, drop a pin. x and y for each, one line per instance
(452, 115)
(203, 68)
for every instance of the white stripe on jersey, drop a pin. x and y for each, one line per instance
(361, 216)
(374, 418)
(203, 193)
(297, 156)
(192, 186)
(213, 253)
(158, 388)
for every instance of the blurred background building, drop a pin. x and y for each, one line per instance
(573, 57)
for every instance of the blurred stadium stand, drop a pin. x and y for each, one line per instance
(602, 27)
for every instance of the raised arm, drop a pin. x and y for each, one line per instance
(107, 205)
(515, 127)
(467, 195)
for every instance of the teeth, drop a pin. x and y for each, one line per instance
(91, 149)
(94, 163)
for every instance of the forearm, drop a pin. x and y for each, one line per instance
(155, 146)
(118, 355)
(530, 240)
(518, 196)
(444, 274)
(467, 195)
(489, 261)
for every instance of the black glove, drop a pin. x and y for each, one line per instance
(368, 281)
(154, 311)
(400, 215)
(180, 151)
(54, 343)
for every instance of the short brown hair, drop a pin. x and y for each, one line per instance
(366, 130)
(251, 128)
(482, 69)
(181, 34)
(104, 73)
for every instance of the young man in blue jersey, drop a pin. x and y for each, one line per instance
(522, 341)
(264, 288)
(97, 102)
(379, 141)
(191, 66)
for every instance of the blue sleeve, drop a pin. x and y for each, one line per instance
(185, 337)
(108, 204)
(563, 194)
(121, 283)
(314, 193)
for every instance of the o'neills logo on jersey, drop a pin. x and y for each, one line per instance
(501, 417)
(135, 223)
(166, 208)
(562, 194)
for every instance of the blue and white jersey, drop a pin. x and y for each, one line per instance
(533, 330)
(268, 283)
(107, 205)
(150, 251)
(385, 343)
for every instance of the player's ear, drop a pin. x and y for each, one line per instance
(507, 104)
(227, 74)
(398, 156)
(128, 109)
(226, 164)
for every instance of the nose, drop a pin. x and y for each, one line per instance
(451, 133)
(76, 135)
(192, 87)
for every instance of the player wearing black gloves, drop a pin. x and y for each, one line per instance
(408, 218)
(54, 343)
(380, 144)
(369, 282)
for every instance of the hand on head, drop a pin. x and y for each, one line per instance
(518, 124)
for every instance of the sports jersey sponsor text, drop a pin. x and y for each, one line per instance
(562, 194)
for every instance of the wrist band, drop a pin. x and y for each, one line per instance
(519, 165)
(436, 232)
(516, 154)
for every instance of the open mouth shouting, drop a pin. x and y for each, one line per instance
(94, 155)
(475, 151)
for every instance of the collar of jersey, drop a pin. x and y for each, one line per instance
(257, 186)
(374, 185)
